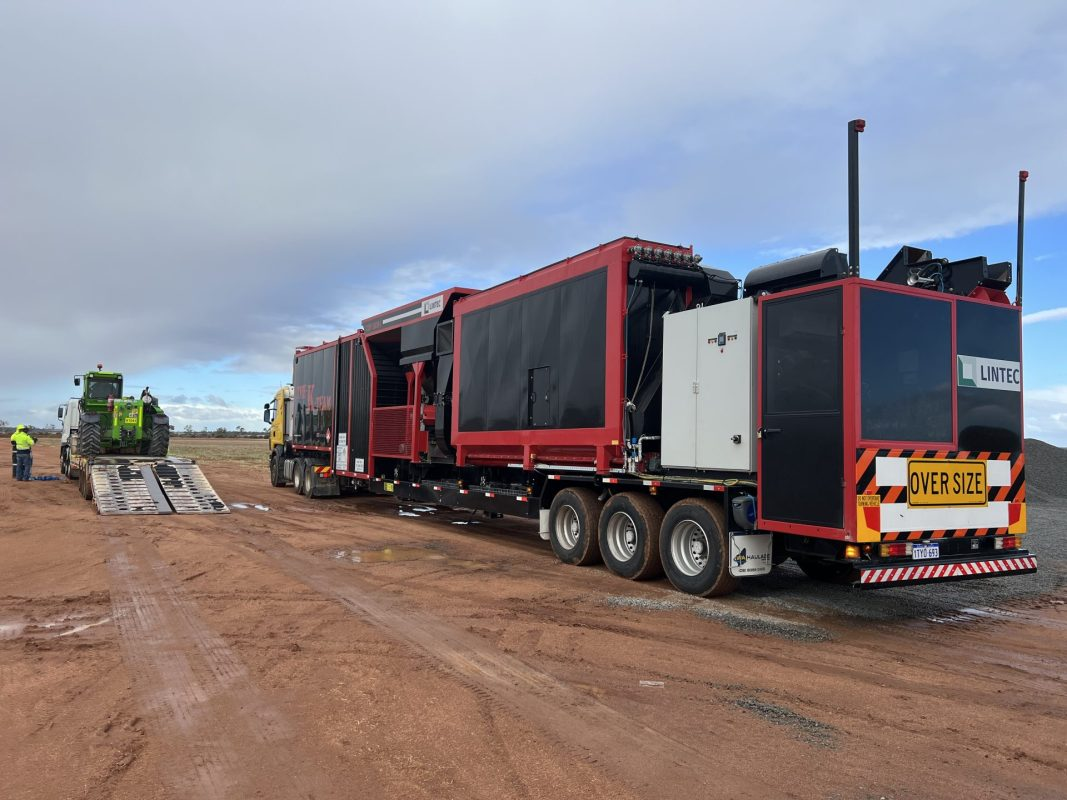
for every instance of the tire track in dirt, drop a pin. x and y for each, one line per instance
(644, 758)
(220, 738)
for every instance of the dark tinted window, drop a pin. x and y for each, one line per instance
(100, 389)
(906, 367)
(803, 354)
(988, 419)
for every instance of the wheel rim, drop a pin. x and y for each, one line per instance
(622, 536)
(298, 477)
(690, 547)
(568, 527)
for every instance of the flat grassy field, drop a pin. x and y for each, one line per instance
(241, 451)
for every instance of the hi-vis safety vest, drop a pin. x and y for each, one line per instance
(22, 440)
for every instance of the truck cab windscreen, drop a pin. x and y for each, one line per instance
(103, 389)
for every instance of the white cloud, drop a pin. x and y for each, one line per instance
(1045, 316)
(195, 183)
(1046, 414)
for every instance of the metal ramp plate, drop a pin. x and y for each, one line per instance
(188, 490)
(127, 489)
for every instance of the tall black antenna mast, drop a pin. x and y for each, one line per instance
(1023, 175)
(855, 128)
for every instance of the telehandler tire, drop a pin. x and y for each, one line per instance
(89, 438)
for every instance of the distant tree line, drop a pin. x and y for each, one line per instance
(240, 432)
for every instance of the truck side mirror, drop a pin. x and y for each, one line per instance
(77, 380)
(266, 413)
(59, 413)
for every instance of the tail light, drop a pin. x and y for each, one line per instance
(896, 549)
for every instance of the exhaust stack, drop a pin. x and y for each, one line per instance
(855, 128)
(1023, 175)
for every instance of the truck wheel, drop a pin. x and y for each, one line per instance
(85, 484)
(159, 444)
(823, 570)
(572, 526)
(298, 475)
(629, 536)
(693, 544)
(277, 469)
(89, 439)
(64, 461)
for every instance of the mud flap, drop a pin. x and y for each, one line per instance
(750, 553)
(322, 485)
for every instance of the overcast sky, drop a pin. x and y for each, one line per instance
(189, 190)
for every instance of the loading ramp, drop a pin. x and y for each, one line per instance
(126, 485)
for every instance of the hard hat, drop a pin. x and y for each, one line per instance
(20, 427)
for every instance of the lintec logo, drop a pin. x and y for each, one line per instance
(988, 373)
(433, 305)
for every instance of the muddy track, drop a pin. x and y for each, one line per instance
(641, 757)
(223, 739)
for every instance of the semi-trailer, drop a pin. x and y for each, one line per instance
(663, 417)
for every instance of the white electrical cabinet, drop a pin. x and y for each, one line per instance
(709, 388)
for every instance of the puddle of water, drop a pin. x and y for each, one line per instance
(466, 522)
(85, 627)
(238, 505)
(391, 554)
(66, 626)
(408, 514)
(972, 614)
(424, 509)
(11, 630)
(388, 554)
(261, 507)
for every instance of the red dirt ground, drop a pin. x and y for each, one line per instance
(333, 649)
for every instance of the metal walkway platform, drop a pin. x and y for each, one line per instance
(172, 486)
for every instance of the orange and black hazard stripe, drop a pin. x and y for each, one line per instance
(866, 483)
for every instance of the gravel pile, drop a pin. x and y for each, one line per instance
(1046, 470)
(810, 730)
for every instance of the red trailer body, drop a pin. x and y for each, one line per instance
(886, 416)
(598, 445)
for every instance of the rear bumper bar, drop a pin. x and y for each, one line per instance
(1021, 562)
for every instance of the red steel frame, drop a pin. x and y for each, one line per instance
(599, 447)
(851, 399)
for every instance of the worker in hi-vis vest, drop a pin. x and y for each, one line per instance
(23, 453)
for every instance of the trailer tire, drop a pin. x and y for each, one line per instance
(629, 536)
(694, 547)
(64, 461)
(89, 438)
(298, 476)
(823, 570)
(573, 521)
(85, 484)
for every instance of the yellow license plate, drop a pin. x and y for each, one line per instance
(131, 420)
(388, 487)
(935, 482)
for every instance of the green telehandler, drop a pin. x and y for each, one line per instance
(103, 422)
